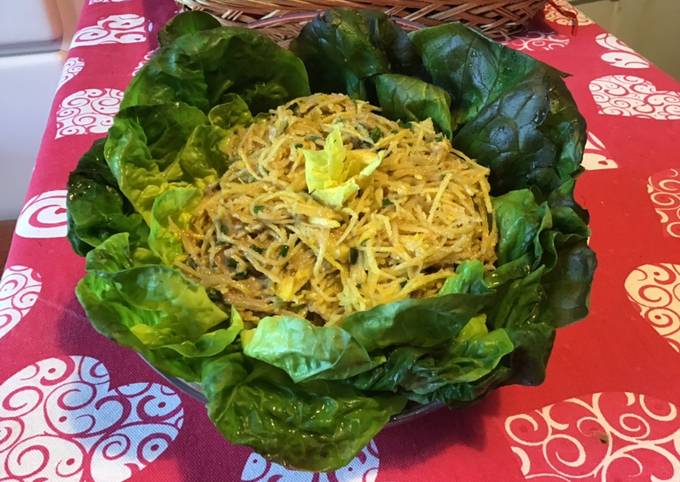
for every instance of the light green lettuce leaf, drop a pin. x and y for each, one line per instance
(171, 213)
(305, 351)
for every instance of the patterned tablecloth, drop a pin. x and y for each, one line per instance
(74, 406)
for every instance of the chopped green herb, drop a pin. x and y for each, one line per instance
(241, 275)
(231, 263)
(353, 255)
(214, 295)
(298, 146)
(402, 284)
(376, 134)
(438, 137)
(359, 143)
(257, 249)
(387, 202)
(283, 251)
(257, 209)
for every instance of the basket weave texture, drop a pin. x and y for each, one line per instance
(283, 19)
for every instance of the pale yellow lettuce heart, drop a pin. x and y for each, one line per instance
(335, 174)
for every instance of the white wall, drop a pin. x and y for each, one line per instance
(27, 85)
(649, 26)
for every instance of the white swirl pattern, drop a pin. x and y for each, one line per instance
(19, 290)
(621, 55)
(553, 15)
(143, 62)
(655, 290)
(127, 28)
(664, 190)
(630, 96)
(595, 155)
(43, 216)
(363, 468)
(72, 67)
(536, 40)
(599, 437)
(59, 421)
(89, 111)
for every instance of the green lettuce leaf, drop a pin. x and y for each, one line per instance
(171, 213)
(233, 111)
(190, 22)
(305, 351)
(202, 68)
(142, 149)
(415, 322)
(151, 307)
(469, 278)
(473, 354)
(201, 159)
(316, 425)
(213, 342)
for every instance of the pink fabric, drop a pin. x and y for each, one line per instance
(74, 406)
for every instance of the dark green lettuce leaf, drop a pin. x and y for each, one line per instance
(515, 136)
(316, 425)
(96, 208)
(469, 358)
(568, 283)
(342, 48)
(424, 375)
(411, 99)
(519, 219)
(512, 112)
(474, 69)
(190, 22)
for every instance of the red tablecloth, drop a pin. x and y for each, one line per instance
(74, 406)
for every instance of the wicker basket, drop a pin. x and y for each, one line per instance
(282, 19)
